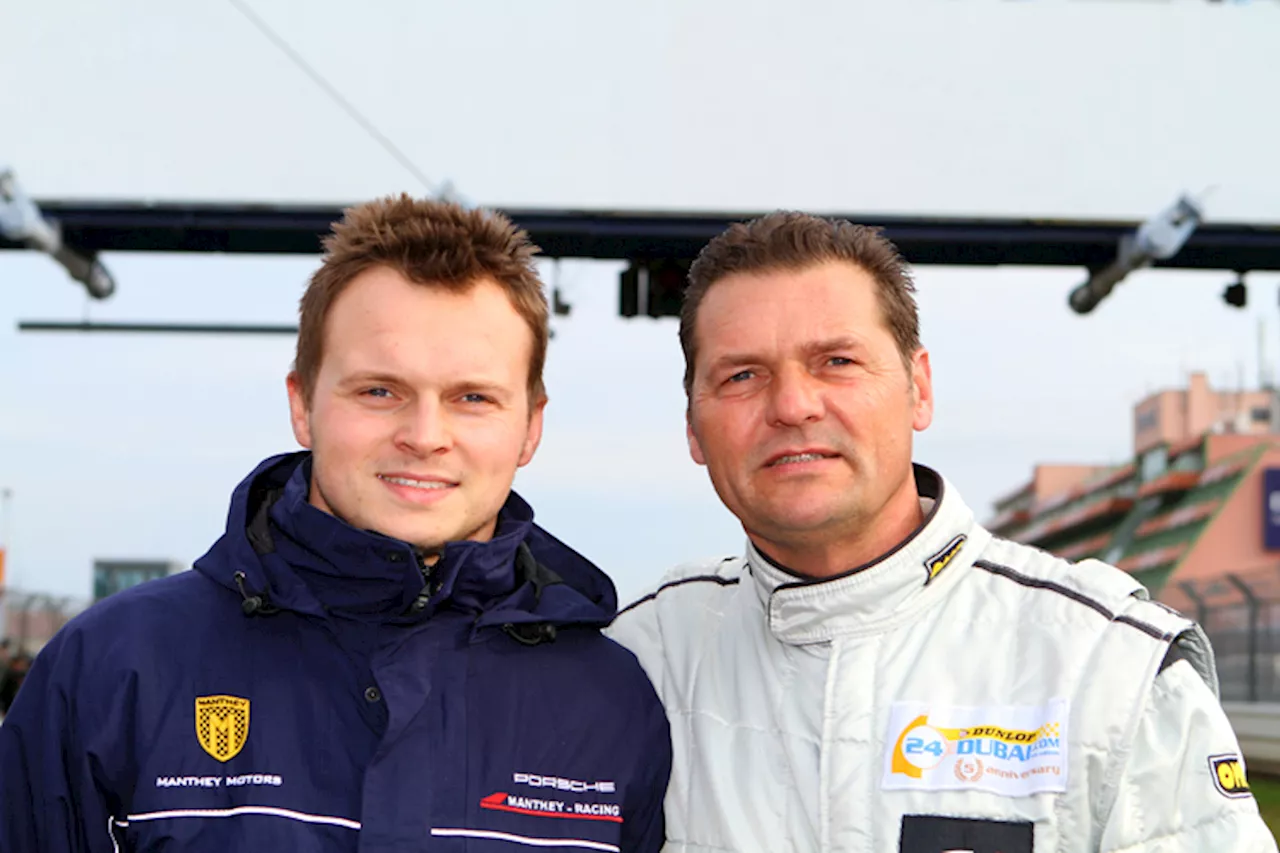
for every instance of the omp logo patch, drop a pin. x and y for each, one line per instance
(940, 560)
(222, 725)
(1229, 776)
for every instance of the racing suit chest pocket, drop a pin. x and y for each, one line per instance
(934, 834)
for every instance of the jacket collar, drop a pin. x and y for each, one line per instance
(297, 557)
(358, 573)
(884, 592)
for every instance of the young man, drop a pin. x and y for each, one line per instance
(383, 652)
(877, 672)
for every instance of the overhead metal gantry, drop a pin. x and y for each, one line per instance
(96, 227)
(660, 245)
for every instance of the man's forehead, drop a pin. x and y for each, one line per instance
(426, 359)
(835, 275)
(827, 302)
(381, 295)
(429, 355)
(475, 325)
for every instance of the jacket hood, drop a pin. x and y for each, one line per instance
(281, 553)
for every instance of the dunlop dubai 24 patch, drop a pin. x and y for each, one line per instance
(1012, 750)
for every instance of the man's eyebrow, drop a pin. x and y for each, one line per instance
(734, 359)
(370, 377)
(831, 344)
(467, 386)
(464, 386)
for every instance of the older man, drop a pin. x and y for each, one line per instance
(878, 672)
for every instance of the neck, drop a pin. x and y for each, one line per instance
(817, 555)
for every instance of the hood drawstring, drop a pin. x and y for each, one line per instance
(254, 605)
(531, 633)
(528, 568)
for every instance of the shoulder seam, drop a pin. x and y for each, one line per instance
(1079, 598)
(1172, 656)
(1144, 627)
(718, 579)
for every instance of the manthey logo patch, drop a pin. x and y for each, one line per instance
(939, 561)
(1229, 776)
(222, 725)
(1013, 750)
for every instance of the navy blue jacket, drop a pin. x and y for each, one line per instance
(313, 687)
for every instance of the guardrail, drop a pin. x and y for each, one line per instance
(1257, 726)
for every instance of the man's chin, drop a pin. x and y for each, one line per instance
(420, 536)
(434, 539)
(804, 517)
(424, 545)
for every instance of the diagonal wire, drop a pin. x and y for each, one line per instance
(334, 94)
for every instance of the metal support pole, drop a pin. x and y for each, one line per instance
(53, 606)
(1254, 610)
(24, 624)
(1202, 606)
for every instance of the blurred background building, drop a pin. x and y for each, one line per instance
(112, 576)
(1193, 515)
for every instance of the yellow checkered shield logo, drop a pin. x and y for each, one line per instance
(222, 725)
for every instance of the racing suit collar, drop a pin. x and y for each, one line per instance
(879, 594)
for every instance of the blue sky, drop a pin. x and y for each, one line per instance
(120, 446)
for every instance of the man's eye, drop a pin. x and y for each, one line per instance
(474, 398)
(380, 393)
(741, 376)
(840, 361)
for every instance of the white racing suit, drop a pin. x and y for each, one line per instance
(963, 693)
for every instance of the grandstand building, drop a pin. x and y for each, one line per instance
(1194, 515)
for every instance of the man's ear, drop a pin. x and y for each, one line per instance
(299, 413)
(922, 390)
(533, 437)
(695, 449)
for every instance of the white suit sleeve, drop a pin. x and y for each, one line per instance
(1183, 787)
(637, 628)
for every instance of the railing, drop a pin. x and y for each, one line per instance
(1257, 727)
(31, 619)
(1241, 615)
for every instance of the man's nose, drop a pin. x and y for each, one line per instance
(424, 428)
(795, 397)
